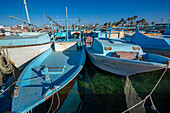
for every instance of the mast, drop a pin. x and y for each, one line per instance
(25, 5)
(66, 25)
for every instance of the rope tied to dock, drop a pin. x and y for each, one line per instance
(149, 95)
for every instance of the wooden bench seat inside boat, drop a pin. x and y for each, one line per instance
(125, 55)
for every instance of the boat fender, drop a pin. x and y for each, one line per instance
(136, 48)
(108, 48)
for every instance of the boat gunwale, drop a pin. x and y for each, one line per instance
(129, 61)
(27, 45)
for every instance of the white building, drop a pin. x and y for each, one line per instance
(1, 27)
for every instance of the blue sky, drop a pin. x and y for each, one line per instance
(87, 10)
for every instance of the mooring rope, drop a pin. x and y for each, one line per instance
(58, 102)
(149, 94)
(51, 104)
(20, 81)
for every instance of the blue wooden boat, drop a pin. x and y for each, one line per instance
(153, 44)
(123, 58)
(47, 74)
(167, 32)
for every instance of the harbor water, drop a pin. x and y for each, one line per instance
(98, 91)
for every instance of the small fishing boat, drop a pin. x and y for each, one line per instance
(123, 58)
(23, 47)
(47, 74)
(151, 43)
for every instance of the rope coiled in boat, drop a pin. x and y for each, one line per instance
(5, 64)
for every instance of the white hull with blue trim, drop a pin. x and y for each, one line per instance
(23, 47)
(125, 67)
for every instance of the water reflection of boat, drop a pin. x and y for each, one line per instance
(108, 90)
(144, 83)
(68, 100)
(132, 98)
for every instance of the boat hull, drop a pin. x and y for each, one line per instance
(157, 51)
(22, 55)
(65, 65)
(120, 66)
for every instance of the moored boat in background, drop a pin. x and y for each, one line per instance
(123, 58)
(153, 43)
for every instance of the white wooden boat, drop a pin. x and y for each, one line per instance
(25, 46)
(123, 58)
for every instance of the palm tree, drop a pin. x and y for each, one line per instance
(138, 22)
(131, 22)
(121, 20)
(113, 24)
(132, 19)
(143, 21)
(109, 24)
(153, 23)
(128, 19)
(124, 22)
(118, 23)
(105, 24)
(135, 17)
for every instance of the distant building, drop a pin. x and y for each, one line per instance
(162, 23)
(1, 27)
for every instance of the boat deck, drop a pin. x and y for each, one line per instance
(34, 92)
(112, 42)
(102, 46)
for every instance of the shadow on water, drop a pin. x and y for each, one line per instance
(144, 83)
(114, 94)
(107, 89)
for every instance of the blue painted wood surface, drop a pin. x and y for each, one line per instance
(35, 91)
